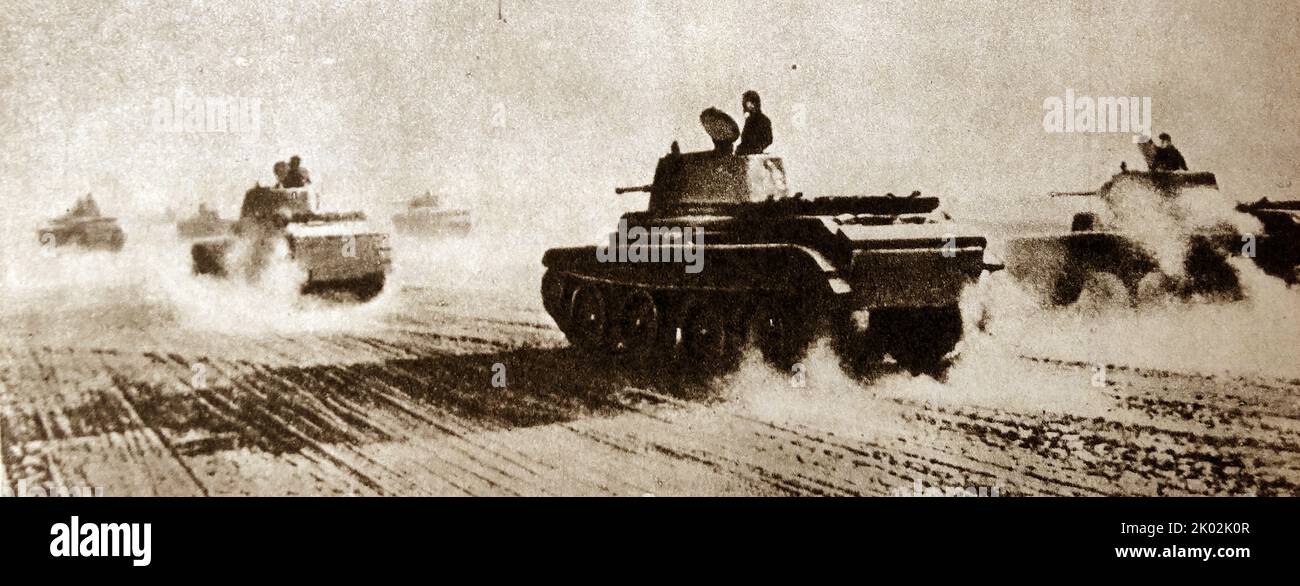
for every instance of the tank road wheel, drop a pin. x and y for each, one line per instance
(636, 324)
(1208, 272)
(206, 261)
(781, 330)
(1068, 287)
(1108, 289)
(921, 338)
(587, 322)
(1153, 288)
(369, 287)
(554, 300)
(705, 331)
(862, 345)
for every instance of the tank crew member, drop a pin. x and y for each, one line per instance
(297, 176)
(1167, 157)
(281, 170)
(86, 207)
(722, 129)
(757, 135)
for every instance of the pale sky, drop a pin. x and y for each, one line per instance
(534, 120)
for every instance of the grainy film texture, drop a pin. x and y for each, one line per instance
(649, 248)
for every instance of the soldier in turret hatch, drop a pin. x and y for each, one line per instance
(297, 175)
(1167, 157)
(85, 207)
(281, 170)
(757, 135)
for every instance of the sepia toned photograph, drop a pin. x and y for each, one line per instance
(649, 248)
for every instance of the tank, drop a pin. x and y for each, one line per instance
(335, 251)
(206, 223)
(724, 257)
(1164, 232)
(426, 216)
(83, 227)
(1277, 250)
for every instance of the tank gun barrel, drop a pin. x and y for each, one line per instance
(644, 188)
(1072, 193)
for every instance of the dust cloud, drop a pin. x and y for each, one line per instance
(1257, 335)
(149, 284)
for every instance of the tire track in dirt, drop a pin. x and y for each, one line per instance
(1205, 433)
(332, 413)
(816, 462)
(68, 425)
(1148, 432)
(409, 409)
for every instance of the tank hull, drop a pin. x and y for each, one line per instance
(777, 281)
(88, 234)
(1277, 249)
(1058, 268)
(433, 223)
(865, 267)
(347, 260)
(203, 228)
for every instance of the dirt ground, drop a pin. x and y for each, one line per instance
(450, 385)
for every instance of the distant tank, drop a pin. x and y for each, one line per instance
(1171, 230)
(336, 251)
(84, 227)
(737, 259)
(207, 222)
(1277, 249)
(427, 217)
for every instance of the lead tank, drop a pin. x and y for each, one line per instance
(83, 227)
(725, 256)
(335, 251)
